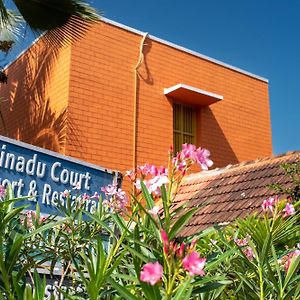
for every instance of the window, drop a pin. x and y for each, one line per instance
(184, 125)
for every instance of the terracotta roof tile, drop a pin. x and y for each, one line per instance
(223, 195)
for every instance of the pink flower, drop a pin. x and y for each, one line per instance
(145, 169)
(190, 155)
(155, 183)
(194, 264)
(164, 237)
(289, 210)
(65, 193)
(249, 253)
(116, 198)
(109, 190)
(85, 197)
(181, 250)
(269, 204)
(151, 273)
(31, 218)
(2, 191)
(241, 242)
(131, 175)
(95, 196)
(188, 151)
(289, 259)
(202, 158)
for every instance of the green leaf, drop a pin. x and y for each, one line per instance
(216, 262)
(181, 222)
(44, 227)
(122, 290)
(265, 249)
(184, 291)
(295, 262)
(149, 200)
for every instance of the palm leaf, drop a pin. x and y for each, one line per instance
(64, 20)
(42, 15)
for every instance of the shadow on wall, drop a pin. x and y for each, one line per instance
(145, 73)
(214, 139)
(25, 106)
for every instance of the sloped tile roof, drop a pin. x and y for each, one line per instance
(231, 192)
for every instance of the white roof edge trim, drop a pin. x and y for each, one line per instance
(191, 88)
(162, 41)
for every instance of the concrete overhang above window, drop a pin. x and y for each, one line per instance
(191, 95)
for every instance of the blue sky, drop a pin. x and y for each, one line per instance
(261, 37)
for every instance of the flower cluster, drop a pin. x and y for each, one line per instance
(2, 191)
(31, 218)
(153, 177)
(247, 250)
(270, 204)
(183, 255)
(190, 155)
(116, 198)
(287, 259)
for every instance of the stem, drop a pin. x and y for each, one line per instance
(261, 284)
(64, 274)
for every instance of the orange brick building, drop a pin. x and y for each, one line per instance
(119, 97)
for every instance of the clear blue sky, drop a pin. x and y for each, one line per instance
(260, 36)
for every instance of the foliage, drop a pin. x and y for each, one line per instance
(130, 247)
(292, 170)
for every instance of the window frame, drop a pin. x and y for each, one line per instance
(180, 130)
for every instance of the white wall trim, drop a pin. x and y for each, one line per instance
(191, 88)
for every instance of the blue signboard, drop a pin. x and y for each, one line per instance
(46, 175)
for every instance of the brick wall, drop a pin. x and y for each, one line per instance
(95, 80)
(35, 99)
(102, 87)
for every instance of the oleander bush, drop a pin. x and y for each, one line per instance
(130, 248)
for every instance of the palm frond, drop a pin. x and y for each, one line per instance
(11, 23)
(42, 15)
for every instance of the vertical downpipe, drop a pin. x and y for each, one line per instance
(135, 101)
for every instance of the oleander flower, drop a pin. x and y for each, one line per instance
(2, 191)
(269, 204)
(190, 155)
(95, 196)
(249, 253)
(154, 184)
(116, 198)
(151, 273)
(109, 190)
(289, 210)
(202, 159)
(194, 264)
(241, 242)
(164, 237)
(289, 259)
